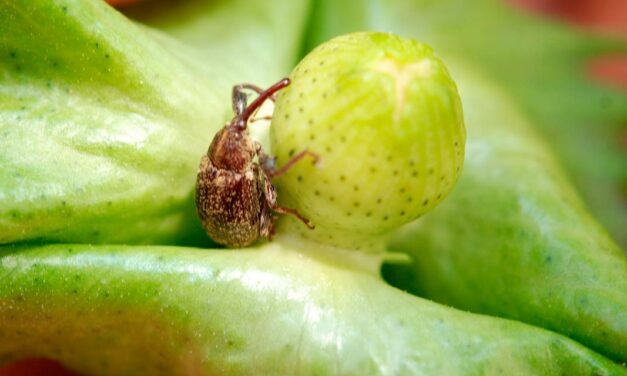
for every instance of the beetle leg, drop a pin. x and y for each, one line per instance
(270, 196)
(266, 222)
(266, 162)
(271, 230)
(269, 93)
(239, 99)
(260, 118)
(286, 167)
(294, 212)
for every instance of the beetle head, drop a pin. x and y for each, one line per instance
(231, 149)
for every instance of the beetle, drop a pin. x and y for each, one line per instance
(235, 197)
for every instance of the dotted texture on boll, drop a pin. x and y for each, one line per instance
(385, 117)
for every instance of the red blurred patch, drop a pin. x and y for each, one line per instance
(35, 367)
(605, 16)
(611, 69)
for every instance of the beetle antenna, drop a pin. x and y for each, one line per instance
(247, 113)
(239, 99)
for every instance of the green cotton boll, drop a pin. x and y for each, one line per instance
(385, 120)
(103, 121)
(115, 310)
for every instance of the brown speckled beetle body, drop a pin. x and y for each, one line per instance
(235, 197)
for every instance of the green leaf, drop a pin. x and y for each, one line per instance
(257, 39)
(513, 239)
(103, 121)
(98, 309)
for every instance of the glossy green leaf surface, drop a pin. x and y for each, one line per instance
(166, 310)
(103, 121)
(513, 239)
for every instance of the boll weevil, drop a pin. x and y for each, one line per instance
(235, 197)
